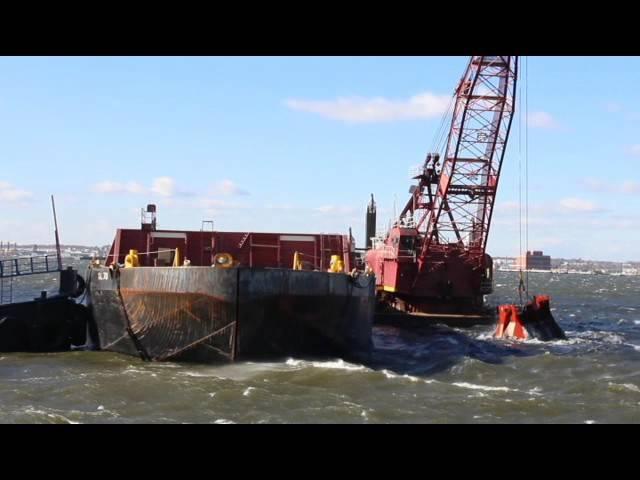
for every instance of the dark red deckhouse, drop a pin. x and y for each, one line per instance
(248, 249)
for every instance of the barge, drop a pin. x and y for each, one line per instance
(48, 323)
(208, 295)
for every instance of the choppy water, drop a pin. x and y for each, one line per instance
(435, 375)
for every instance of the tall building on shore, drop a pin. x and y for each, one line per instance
(535, 260)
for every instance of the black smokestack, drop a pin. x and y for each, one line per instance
(371, 221)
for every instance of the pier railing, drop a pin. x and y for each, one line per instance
(11, 268)
(19, 266)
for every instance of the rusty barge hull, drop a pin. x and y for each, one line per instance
(212, 314)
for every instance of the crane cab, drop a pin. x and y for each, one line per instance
(403, 242)
(393, 260)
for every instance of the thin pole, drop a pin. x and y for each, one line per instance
(55, 222)
(526, 163)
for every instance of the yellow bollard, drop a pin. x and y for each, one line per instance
(131, 260)
(297, 261)
(336, 265)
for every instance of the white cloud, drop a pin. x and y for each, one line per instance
(9, 193)
(549, 241)
(596, 185)
(377, 109)
(214, 207)
(107, 187)
(578, 205)
(542, 120)
(135, 187)
(616, 107)
(634, 149)
(228, 187)
(280, 206)
(631, 187)
(613, 107)
(214, 203)
(164, 186)
(116, 187)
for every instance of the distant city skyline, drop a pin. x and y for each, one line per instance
(298, 144)
(106, 246)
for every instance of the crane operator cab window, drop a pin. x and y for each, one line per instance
(407, 242)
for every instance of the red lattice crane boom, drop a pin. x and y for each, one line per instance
(434, 255)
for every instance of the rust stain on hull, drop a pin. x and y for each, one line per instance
(201, 312)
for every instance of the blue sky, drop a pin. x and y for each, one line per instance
(298, 143)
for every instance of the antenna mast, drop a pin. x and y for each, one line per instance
(55, 222)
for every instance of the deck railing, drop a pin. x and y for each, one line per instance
(11, 268)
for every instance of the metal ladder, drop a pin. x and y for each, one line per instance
(244, 239)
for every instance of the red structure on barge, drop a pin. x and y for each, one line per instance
(248, 249)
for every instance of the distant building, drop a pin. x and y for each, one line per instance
(533, 261)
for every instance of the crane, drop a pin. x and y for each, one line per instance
(433, 258)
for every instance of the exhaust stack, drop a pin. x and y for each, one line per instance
(370, 222)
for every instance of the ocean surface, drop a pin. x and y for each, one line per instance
(435, 374)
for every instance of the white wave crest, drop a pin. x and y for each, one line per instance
(248, 391)
(389, 374)
(625, 386)
(485, 388)
(537, 391)
(332, 364)
(202, 375)
(57, 416)
(223, 421)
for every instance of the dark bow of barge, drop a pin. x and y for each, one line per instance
(205, 313)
